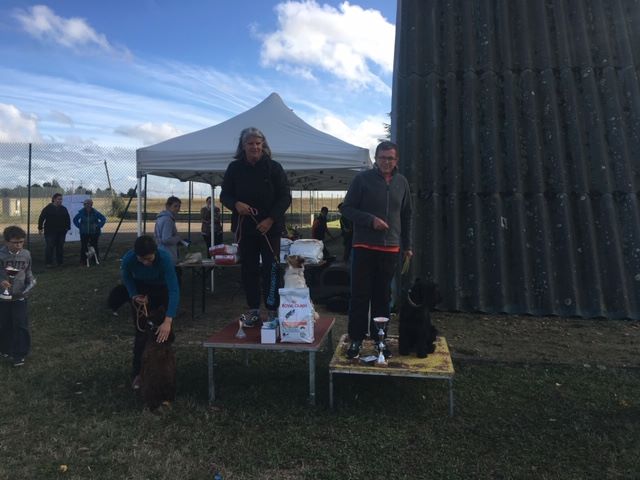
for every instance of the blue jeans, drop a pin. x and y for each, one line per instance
(371, 275)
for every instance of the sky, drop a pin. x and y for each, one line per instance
(133, 73)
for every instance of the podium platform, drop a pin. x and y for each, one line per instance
(437, 365)
(226, 338)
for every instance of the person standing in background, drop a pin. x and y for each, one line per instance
(319, 230)
(89, 222)
(205, 229)
(55, 222)
(166, 233)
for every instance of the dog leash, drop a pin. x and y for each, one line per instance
(141, 313)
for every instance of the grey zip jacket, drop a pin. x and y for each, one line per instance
(24, 280)
(166, 234)
(370, 196)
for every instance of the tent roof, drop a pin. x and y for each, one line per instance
(313, 160)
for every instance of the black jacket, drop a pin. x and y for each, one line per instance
(54, 219)
(263, 186)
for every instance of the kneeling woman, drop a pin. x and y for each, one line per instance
(149, 276)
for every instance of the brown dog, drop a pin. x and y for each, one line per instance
(158, 374)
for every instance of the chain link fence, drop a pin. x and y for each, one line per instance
(32, 173)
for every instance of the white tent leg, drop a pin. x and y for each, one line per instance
(138, 203)
(213, 207)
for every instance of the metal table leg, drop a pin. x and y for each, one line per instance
(312, 378)
(330, 389)
(451, 397)
(212, 386)
(204, 286)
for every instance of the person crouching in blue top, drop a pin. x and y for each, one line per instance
(89, 222)
(149, 274)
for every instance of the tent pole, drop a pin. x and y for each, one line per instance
(213, 207)
(138, 205)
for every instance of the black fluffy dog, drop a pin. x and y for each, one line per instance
(416, 330)
(158, 374)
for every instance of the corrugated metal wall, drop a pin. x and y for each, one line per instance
(519, 128)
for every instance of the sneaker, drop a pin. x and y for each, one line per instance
(18, 362)
(250, 319)
(135, 384)
(354, 349)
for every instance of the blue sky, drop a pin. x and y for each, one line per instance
(133, 73)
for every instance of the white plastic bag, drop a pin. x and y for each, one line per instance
(309, 249)
(296, 316)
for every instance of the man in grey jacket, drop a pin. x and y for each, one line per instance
(166, 232)
(378, 203)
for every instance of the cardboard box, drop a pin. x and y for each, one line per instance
(269, 334)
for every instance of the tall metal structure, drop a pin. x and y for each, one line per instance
(519, 128)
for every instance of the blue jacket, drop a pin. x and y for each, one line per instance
(89, 223)
(161, 272)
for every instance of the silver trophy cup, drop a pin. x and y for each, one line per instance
(381, 323)
(11, 274)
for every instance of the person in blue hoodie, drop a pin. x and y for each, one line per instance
(149, 276)
(89, 222)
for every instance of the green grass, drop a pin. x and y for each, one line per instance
(72, 405)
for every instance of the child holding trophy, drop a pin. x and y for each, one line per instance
(16, 280)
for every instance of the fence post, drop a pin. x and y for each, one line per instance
(29, 203)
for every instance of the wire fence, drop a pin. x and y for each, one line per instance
(32, 173)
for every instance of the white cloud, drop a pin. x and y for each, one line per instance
(366, 133)
(17, 126)
(61, 117)
(347, 42)
(41, 22)
(149, 133)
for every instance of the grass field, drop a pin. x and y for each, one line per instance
(71, 405)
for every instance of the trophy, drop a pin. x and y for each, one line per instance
(11, 274)
(240, 333)
(381, 323)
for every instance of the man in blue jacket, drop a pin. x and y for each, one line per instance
(378, 203)
(149, 276)
(89, 222)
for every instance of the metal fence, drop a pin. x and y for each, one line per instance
(32, 173)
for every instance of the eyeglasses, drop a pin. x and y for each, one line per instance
(385, 158)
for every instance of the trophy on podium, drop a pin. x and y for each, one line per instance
(11, 274)
(240, 333)
(381, 323)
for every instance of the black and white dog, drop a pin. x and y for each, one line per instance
(416, 330)
(91, 254)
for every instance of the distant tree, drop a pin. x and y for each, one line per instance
(131, 193)
(47, 184)
(387, 131)
(36, 185)
(55, 184)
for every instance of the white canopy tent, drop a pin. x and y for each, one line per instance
(313, 160)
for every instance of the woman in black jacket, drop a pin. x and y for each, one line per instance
(256, 190)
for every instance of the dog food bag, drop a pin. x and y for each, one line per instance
(223, 249)
(296, 316)
(225, 259)
(309, 249)
(285, 245)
